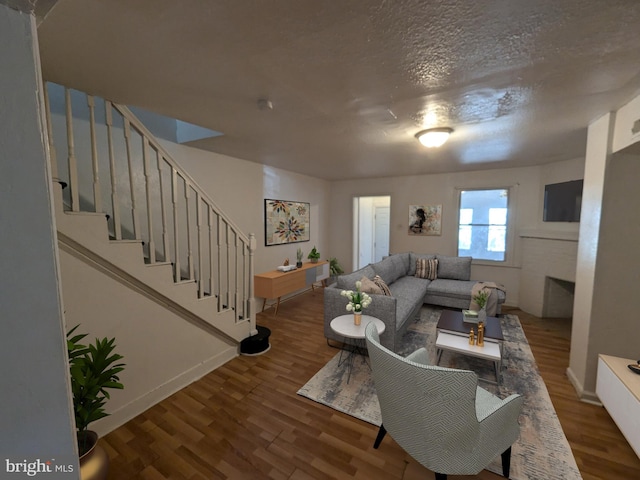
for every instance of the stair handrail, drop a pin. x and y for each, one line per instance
(127, 113)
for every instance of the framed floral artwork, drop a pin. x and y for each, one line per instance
(425, 219)
(285, 222)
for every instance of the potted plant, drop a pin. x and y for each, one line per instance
(314, 255)
(93, 369)
(358, 301)
(299, 258)
(334, 267)
(480, 299)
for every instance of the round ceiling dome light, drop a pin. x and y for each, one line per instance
(434, 137)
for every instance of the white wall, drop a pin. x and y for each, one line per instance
(615, 323)
(162, 351)
(598, 150)
(36, 420)
(526, 202)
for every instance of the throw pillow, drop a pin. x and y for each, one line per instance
(369, 286)
(454, 268)
(427, 268)
(412, 261)
(383, 286)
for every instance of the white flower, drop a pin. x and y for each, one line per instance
(357, 300)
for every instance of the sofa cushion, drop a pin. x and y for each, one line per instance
(406, 259)
(390, 268)
(427, 268)
(382, 285)
(454, 268)
(410, 288)
(451, 288)
(409, 293)
(413, 257)
(348, 282)
(369, 286)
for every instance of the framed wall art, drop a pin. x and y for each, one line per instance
(285, 222)
(425, 219)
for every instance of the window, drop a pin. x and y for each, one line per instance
(482, 227)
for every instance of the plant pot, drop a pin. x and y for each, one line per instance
(94, 464)
(299, 264)
(482, 315)
(313, 260)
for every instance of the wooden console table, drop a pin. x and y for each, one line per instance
(276, 284)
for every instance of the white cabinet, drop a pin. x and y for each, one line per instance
(619, 391)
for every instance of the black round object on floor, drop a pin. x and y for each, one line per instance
(256, 344)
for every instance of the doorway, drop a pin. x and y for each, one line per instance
(371, 229)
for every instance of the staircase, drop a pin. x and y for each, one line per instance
(125, 206)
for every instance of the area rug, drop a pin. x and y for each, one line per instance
(541, 453)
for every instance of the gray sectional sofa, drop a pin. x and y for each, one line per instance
(452, 288)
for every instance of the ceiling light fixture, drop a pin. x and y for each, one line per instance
(434, 137)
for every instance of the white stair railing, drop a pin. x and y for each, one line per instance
(202, 244)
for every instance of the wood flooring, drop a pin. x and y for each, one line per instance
(245, 421)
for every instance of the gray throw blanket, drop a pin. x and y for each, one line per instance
(492, 301)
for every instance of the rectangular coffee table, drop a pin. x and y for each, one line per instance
(453, 335)
(453, 322)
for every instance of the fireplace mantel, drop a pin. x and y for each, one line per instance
(549, 235)
(545, 255)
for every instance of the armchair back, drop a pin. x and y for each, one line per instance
(439, 415)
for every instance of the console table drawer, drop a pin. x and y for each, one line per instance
(279, 286)
(276, 284)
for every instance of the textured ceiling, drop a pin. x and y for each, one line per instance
(352, 81)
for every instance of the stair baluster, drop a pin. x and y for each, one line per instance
(199, 245)
(132, 187)
(187, 198)
(97, 196)
(73, 165)
(176, 226)
(163, 209)
(115, 201)
(52, 148)
(147, 188)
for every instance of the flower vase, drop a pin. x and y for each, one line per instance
(357, 318)
(482, 316)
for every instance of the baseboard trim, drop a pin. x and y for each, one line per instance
(143, 403)
(583, 395)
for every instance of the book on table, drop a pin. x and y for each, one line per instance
(470, 316)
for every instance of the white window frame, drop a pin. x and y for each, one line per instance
(509, 254)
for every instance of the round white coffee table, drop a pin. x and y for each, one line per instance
(354, 339)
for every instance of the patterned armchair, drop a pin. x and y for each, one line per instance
(440, 416)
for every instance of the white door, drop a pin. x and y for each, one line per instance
(371, 229)
(381, 233)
